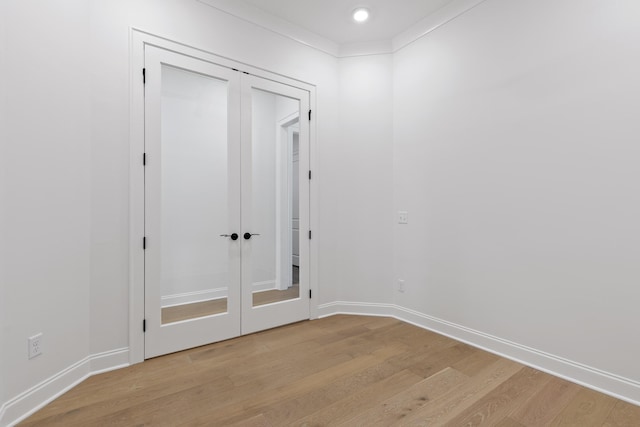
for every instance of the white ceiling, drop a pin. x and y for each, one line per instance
(327, 25)
(332, 18)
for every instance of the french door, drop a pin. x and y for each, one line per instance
(225, 200)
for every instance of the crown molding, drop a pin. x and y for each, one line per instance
(440, 17)
(269, 22)
(381, 47)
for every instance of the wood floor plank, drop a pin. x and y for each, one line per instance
(365, 399)
(249, 404)
(287, 362)
(545, 405)
(287, 411)
(349, 370)
(623, 414)
(338, 322)
(474, 362)
(380, 321)
(415, 337)
(427, 364)
(587, 408)
(406, 401)
(442, 409)
(256, 421)
(498, 403)
(126, 387)
(510, 422)
(256, 344)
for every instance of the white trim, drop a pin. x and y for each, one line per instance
(269, 22)
(441, 17)
(140, 38)
(136, 197)
(192, 297)
(267, 285)
(314, 205)
(28, 402)
(587, 376)
(349, 50)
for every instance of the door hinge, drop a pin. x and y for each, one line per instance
(144, 325)
(309, 174)
(309, 115)
(309, 234)
(144, 75)
(144, 159)
(309, 293)
(144, 243)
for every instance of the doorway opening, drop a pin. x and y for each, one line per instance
(226, 202)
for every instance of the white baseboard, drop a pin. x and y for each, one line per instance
(20, 407)
(192, 297)
(596, 379)
(267, 285)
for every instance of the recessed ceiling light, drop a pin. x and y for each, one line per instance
(360, 15)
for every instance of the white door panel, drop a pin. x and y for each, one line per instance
(192, 186)
(226, 196)
(264, 106)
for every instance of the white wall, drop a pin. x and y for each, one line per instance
(46, 197)
(516, 154)
(3, 189)
(360, 241)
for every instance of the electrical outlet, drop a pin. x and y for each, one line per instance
(35, 346)
(403, 217)
(401, 285)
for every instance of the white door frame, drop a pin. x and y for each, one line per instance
(139, 39)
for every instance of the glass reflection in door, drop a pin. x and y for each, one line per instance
(275, 201)
(194, 270)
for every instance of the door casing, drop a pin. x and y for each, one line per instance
(140, 39)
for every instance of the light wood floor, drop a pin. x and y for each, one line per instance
(338, 371)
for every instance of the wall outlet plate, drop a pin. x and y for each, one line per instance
(401, 285)
(403, 217)
(35, 346)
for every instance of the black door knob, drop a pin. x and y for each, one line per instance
(233, 236)
(247, 236)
